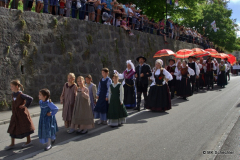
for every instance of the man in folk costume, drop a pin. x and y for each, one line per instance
(171, 70)
(228, 68)
(199, 66)
(215, 72)
(193, 65)
(142, 72)
(202, 73)
(210, 66)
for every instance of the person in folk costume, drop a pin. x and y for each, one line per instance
(185, 88)
(199, 67)
(215, 72)
(117, 112)
(228, 68)
(202, 75)
(128, 85)
(178, 77)
(142, 72)
(68, 99)
(101, 108)
(21, 124)
(171, 69)
(222, 69)
(92, 88)
(47, 127)
(209, 67)
(159, 98)
(193, 65)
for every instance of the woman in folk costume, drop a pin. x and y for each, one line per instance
(159, 98)
(171, 70)
(178, 77)
(116, 112)
(184, 89)
(128, 85)
(222, 69)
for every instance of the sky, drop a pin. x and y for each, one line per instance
(235, 6)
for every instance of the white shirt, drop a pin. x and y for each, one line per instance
(197, 68)
(190, 71)
(176, 73)
(166, 74)
(130, 11)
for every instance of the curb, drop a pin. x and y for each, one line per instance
(6, 121)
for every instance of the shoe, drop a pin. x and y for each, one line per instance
(27, 145)
(137, 108)
(99, 122)
(71, 131)
(84, 132)
(109, 23)
(53, 142)
(104, 122)
(185, 98)
(105, 23)
(9, 147)
(48, 148)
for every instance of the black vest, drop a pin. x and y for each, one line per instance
(192, 66)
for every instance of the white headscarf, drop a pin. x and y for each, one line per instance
(132, 65)
(159, 61)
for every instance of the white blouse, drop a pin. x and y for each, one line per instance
(121, 75)
(177, 74)
(166, 74)
(121, 92)
(190, 71)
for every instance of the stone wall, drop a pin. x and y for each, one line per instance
(41, 49)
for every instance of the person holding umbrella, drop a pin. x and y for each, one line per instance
(142, 72)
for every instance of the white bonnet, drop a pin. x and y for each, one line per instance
(159, 61)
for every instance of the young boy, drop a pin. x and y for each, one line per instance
(101, 108)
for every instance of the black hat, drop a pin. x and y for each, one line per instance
(141, 57)
(190, 57)
(171, 60)
(194, 57)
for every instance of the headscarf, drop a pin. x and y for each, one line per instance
(132, 65)
(159, 61)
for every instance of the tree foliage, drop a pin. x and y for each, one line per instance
(198, 14)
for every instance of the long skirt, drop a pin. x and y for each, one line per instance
(129, 94)
(177, 85)
(222, 81)
(159, 98)
(184, 89)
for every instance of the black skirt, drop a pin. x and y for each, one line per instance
(184, 88)
(159, 98)
(129, 94)
(177, 85)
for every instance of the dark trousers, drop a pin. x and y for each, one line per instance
(209, 79)
(193, 82)
(228, 75)
(141, 88)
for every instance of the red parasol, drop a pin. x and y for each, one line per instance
(202, 55)
(163, 53)
(220, 55)
(184, 53)
(232, 59)
(212, 51)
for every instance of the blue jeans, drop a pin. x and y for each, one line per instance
(74, 8)
(45, 8)
(82, 11)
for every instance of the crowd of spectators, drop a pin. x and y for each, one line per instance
(110, 12)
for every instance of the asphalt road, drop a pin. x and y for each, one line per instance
(189, 131)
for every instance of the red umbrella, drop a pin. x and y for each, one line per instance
(202, 55)
(220, 55)
(184, 53)
(163, 53)
(232, 59)
(212, 51)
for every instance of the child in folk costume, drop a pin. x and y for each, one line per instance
(222, 69)
(47, 127)
(184, 89)
(117, 112)
(82, 113)
(101, 108)
(21, 124)
(159, 98)
(68, 98)
(92, 91)
(128, 85)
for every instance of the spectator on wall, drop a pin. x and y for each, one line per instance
(82, 10)
(106, 16)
